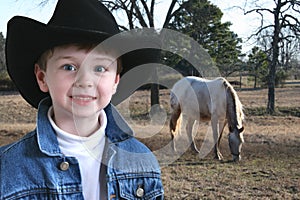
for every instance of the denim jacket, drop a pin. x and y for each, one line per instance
(35, 168)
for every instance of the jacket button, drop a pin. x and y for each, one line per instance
(140, 192)
(64, 166)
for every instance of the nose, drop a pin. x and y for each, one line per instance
(83, 80)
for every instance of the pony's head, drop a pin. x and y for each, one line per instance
(236, 140)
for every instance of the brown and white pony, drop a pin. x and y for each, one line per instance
(197, 99)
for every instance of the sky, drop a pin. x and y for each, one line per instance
(241, 24)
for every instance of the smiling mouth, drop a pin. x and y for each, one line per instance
(82, 98)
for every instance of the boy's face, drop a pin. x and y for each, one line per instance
(80, 83)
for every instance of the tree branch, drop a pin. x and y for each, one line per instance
(152, 8)
(258, 10)
(138, 14)
(169, 14)
(148, 13)
(257, 33)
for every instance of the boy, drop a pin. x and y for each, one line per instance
(81, 148)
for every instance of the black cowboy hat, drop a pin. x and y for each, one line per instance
(73, 21)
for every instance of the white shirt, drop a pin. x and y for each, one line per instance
(88, 151)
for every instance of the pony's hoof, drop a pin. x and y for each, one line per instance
(219, 157)
(195, 151)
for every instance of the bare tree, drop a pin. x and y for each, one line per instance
(285, 27)
(140, 13)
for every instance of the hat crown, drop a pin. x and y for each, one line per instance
(85, 15)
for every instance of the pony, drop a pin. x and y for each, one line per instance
(198, 99)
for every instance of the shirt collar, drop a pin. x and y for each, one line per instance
(75, 143)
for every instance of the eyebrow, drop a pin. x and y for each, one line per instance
(64, 57)
(106, 59)
(67, 57)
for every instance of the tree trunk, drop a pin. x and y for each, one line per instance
(273, 64)
(154, 94)
(271, 90)
(154, 88)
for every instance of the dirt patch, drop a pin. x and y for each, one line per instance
(270, 167)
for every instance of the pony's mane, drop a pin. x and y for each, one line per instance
(237, 105)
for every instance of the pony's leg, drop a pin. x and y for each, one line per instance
(173, 141)
(215, 129)
(222, 124)
(175, 124)
(189, 131)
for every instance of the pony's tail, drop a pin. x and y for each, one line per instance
(176, 115)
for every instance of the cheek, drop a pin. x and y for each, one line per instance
(105, 89)
(107, 84)
(59, 87)
(234, 141)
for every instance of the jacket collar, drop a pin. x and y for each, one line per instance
(117, 129)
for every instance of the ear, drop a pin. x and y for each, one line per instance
(117, 80)
(40, 78)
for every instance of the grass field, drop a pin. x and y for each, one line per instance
(270, 166)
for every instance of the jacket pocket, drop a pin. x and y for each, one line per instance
(140, 188)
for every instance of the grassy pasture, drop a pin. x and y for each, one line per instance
(270, 168)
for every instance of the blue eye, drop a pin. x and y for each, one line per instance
(69, 68)
(100, 69)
